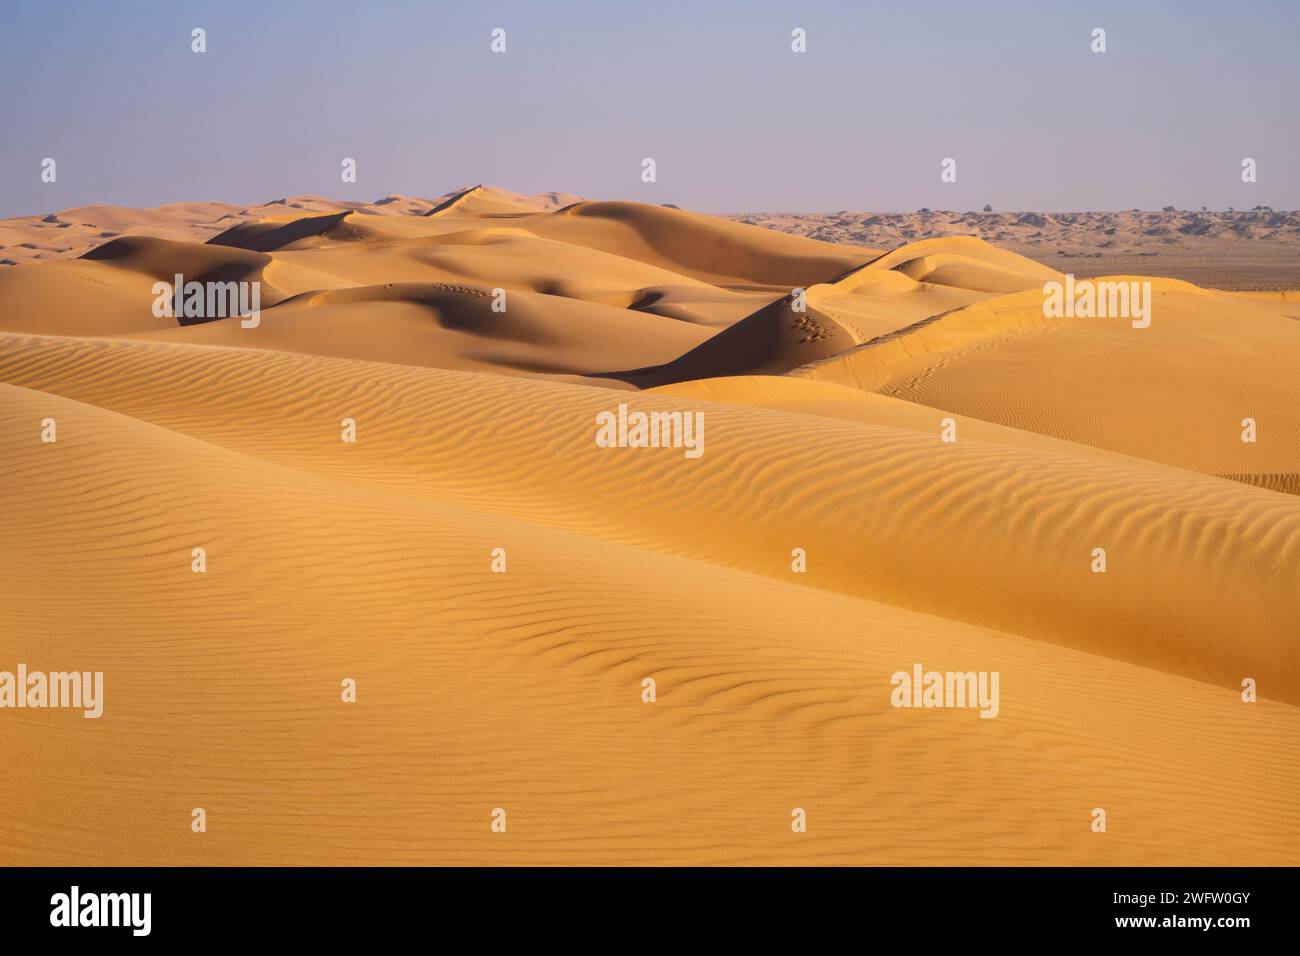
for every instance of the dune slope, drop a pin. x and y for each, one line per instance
(1010, 530)
(522, 690)
(1177, 391)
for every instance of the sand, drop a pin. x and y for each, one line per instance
(522, 690)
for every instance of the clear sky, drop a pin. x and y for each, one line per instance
(710, 89)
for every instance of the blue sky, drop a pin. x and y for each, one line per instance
(711, 90)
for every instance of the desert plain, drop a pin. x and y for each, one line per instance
(906, 462)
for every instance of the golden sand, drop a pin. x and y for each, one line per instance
(523, 690)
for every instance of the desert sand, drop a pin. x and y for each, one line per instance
(522, 690)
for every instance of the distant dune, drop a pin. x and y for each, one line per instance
(72, 232)
(473, 340)
(1241, 250)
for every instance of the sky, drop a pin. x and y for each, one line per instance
(734, 119)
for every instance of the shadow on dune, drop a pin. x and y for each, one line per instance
(269, 236)
(770, 341)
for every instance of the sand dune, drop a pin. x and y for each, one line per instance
(492, 201)
(453, 326)
(696, 245)
(1175, 392)
(964, 262)
(110, 290)
(70, 233)
(1004, 565)
(893, 291)
(476, 430)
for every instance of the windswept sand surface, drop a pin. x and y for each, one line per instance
(476, 430)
